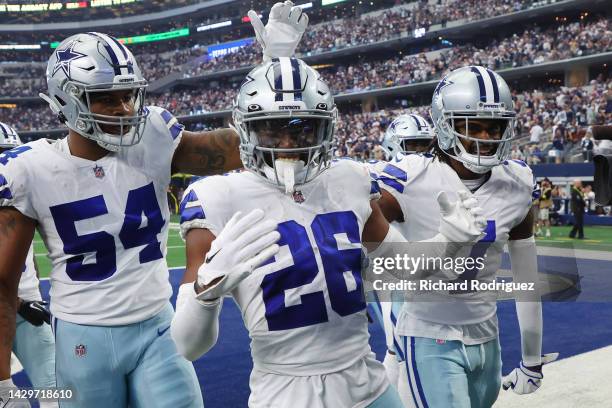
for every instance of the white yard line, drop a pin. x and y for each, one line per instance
(575, 253)
(575, 382)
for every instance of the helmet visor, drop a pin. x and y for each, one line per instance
(287, 133)
(415, 145)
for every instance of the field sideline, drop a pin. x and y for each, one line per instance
(578, 330)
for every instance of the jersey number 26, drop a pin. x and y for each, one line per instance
(341, 266)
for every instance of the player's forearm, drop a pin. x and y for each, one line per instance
(195, 325)
(207, 153)
(7, 330)
(530, 321)
(16, 232)
(524, 263)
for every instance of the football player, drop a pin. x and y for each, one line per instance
(450, 341)
(407, 134)
(98, 199)
(304, 307)
(33, 344)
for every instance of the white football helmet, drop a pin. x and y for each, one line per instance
(404, 132)
(285, 116)
(94, 62)
(9, 138)
(468, 94)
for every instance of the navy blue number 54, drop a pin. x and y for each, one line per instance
(339, 266)
(140, 201)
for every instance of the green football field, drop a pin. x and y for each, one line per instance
(599, 239)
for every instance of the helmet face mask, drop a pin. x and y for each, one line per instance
(285, 134)
(468, 103)
(85, 66)
(114, 130)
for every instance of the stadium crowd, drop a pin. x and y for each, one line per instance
(372, 27)
(90, 13)
(553, 126)
(533, 46)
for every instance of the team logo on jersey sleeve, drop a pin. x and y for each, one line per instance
(98, 172)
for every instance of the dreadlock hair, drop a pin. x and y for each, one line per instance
(434, 147)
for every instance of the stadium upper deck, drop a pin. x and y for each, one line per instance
(54, 11)
(372, 61)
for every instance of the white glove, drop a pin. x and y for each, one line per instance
(391, 367)
(243, 245)
(525, 380)
(5, 393)
(461, 222)
(282, 34)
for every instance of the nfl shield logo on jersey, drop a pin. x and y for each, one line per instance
(298, 197)
(80, 350)
(98, 172)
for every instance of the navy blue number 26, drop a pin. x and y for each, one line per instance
(339, 266)
(139, 201)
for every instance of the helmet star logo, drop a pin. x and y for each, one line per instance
(444, 82)
(65, 57)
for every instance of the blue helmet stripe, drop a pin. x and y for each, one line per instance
(417, 121)
(130, 68)
(481, 85)
(3, 129)
(297, 80)
(278, 80)
(111, 53)
(495, 88)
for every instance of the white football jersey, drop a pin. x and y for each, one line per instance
(28, 284)
(104, 222)
(306, 314)
(415, 181)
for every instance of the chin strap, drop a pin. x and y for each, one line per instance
(52, 104)
(54, 107)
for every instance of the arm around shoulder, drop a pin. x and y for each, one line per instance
(207, 153)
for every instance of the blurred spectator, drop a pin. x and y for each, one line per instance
(535, 132)
(557, 147)
(587, 147)
(589, 196)
(379, 153)
(577, 205)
